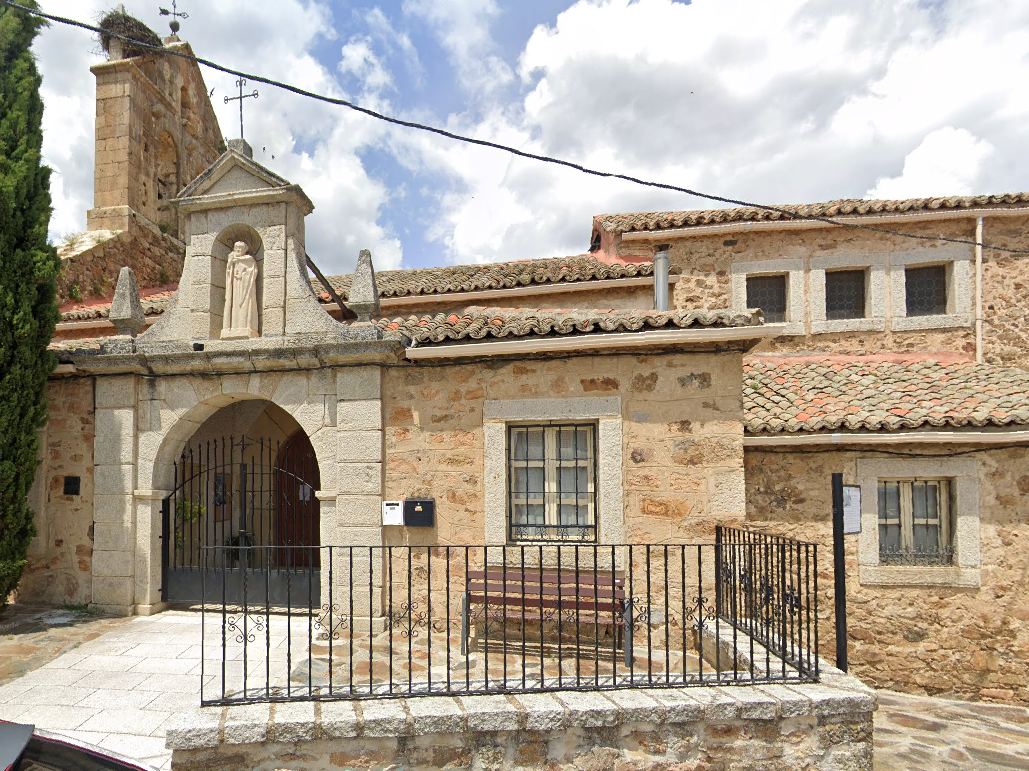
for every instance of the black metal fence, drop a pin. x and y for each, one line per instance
(237, 492)
(418, 620)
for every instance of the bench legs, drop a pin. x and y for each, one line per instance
(464, 624)
(627, 625)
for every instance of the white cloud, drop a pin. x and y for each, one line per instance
(946, 162)
(463, 29)
(315, 145)
(792, 101)
(383, 31)
(360, 60)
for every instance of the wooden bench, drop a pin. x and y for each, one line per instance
(533, 594)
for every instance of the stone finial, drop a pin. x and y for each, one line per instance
(242, 147)
(364, 294)
(126, 309)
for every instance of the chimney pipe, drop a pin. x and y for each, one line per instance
(661, 277)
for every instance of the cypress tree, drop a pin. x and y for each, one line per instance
(28, 274)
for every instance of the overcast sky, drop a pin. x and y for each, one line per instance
(782, 101)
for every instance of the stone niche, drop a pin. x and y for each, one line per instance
(239, 202)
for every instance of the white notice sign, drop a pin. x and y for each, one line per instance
(392, 512)
(851, 509)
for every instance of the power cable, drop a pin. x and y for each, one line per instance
(505, 148)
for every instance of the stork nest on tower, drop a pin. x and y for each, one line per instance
(118, 23)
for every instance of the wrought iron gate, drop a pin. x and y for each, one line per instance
(242, 492)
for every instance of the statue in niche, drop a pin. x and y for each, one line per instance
(240, 316)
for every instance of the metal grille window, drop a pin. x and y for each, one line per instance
(915, 525)
(552, 483)
(769, 294)
(926, 290)
(845, 294)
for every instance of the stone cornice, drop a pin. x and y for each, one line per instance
(123, 355)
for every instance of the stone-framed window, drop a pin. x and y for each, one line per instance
(925, 290)
(949, 270)
(769, 294)
(848, 293)
(602, 413)
(845, 292)
(892, 515)
(915, 522)
(552, 492)
(756, 283)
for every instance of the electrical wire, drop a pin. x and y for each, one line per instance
(497, 146)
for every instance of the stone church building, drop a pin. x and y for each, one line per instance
(539, 400)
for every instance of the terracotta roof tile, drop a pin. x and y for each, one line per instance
(429, 281)
(498, 275)
(639, 221)
(478, 323)
(154, 303)
(880, 393)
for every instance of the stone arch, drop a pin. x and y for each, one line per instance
(177, 438)
(178, 406)
(223, 244)
(168, 183)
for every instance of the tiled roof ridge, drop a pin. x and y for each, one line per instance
(785, 397)
(644, 221)
(890, 357)
(476, 323)
(154, 300)
(496, 275)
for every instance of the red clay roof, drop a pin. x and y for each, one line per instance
(477, 323)
(640, 221)
(790, 395)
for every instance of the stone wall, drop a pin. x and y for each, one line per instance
(706, 265)
(639, 296)
(771, 728)
(61, 555)
(968, 642)
(155, 132)
(1005, 289)
(681, 447)
(91, 261)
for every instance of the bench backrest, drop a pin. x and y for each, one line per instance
(547, 588)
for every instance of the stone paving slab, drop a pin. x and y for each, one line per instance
(115, 703)
(919, 733)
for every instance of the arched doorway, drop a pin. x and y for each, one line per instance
(242, 520)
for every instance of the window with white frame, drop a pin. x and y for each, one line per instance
(915, 522)
(552, 490)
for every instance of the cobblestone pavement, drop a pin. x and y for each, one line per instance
(115, 682)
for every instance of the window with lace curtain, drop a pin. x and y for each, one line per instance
(915, 522)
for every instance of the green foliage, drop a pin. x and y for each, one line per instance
(186, 512)
(164, 227)
(75, 293)
(28, 274)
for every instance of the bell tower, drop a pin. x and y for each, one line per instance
(155, 131)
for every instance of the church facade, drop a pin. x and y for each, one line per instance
(242, 401)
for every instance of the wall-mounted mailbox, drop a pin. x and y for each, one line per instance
(392, 513)
(420, 512)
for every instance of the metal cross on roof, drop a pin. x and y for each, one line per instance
(176, 14)
(241, 82)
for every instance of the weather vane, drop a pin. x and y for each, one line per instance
(176, 15)
(241, 82)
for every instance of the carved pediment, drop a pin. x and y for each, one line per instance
(237, 175)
